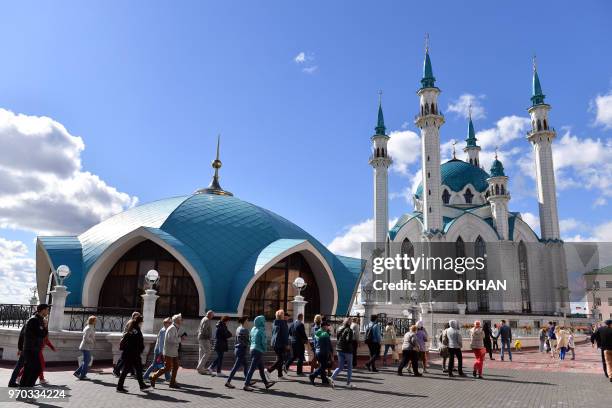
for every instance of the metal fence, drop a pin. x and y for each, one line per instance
(15, 315)
(108, 319)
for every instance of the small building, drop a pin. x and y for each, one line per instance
(599, 293)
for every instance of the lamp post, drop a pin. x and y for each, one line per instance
(148, 301)
(59, 295)
(434, 337)
(299, 304)
(594, 289)
(368, 305)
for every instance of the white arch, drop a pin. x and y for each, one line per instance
(103, 265)
(523, 232)
(328, 294)
(469, 227)
(413, 230)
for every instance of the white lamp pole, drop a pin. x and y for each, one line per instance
(59, 294)
(148, 301)
(299, 304)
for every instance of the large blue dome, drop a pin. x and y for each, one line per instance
(223, 237)
(456, 174)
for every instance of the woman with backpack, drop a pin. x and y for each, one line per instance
(410, 352)
(344, 348)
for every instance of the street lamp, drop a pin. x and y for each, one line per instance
(62, 272)
(299, 284)
(151, 278)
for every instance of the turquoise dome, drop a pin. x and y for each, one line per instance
(497, 169)
(456, 174)
(223, 237)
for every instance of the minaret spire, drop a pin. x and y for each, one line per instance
(380, 124)
(214, 187)
(428, 80)
(537, 97)
(471, 148)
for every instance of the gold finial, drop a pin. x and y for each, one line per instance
(216, 164)
(214, 187)
(426, 43)
(454, 142)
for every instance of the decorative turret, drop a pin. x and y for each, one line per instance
(429, 121)
(471, 148)
(498, 196)
(380, 162)
(541, 138)
(214, 187)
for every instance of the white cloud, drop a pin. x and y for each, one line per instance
(569, 224)
(603, 110)
(506, 130)
(405, 149)
(532, 220)
(349, 242)
(310, 70)
(300, 58)
(18, 269)
(461, 106)
(599, 202)
(42, 185)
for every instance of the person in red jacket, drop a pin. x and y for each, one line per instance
(41, 374)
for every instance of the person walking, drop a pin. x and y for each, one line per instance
(172, 340)
(241, 348)
(119, 366)
(410, 352)
(258, 348)
(88, 342)
(444, 354)
(488, 335)
(505, 333)
(356, 328)
(605, 335)
(316, 325)
(158, 351)
(388, 341)
(373, 338)
(222, 335)
(495, 336)
(132, 346)
(204, 343)
(552, 338)
(543, 337)
(570, 343)
(422, 340)
(18, 370)
(41, 376)
(477, 337)
(279, 342)
(34, 335)
(298, 340)
(344, 349)
(323, 350)
(453, 336)
(562, 341)
(596, 338)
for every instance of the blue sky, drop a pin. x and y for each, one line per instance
(147, 85)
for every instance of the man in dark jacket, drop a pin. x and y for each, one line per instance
(298, 340)
(279, 342)
(33, 337)
(600, 336)
(505, 333)
(323, 350)
(19, 365)
(133, 346)
(605, 335)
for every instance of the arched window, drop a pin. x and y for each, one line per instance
(480, 251)
(125, 283)
(497, 189)
(503, 190)
(433, 109)
(524, 275)
(408, 250)
(445, 196)
(539, 125)
(426, 109)
(460, 253)
(468, 196)
(273, 290)
(471, 162)
(545, 125)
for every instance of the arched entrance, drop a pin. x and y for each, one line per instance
(124, 284)
(273, 290)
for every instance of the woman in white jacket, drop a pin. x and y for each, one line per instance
(87, 345)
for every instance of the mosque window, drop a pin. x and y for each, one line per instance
(428, 192)
(471, 162)
(539, 125)
(429, 209)
(124, 285)
(524, 276)
(408, 250)
(445, 196)
(428, 174)
(426, 109)
(503, 190)
(480, 251)
(273, 290)
(433, 108)
(545, 125)
(497, 189)
(468, 196)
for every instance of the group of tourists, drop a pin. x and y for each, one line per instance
(290, 342)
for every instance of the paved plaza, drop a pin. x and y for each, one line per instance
(531, 380)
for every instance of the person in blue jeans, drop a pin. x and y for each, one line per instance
(258, 347)
(344, 348)
(241, 348)
(505, 333)
(323, 351)
(158, 352)
(87, 344)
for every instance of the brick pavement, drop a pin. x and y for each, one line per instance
(529, 381)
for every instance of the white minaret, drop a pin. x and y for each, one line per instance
(429, 121)
(498, 196)
(541, 137)
(471, 148)
(380, 162)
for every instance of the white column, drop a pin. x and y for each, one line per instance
(148, 310)
(56, 320)
(299, 306)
